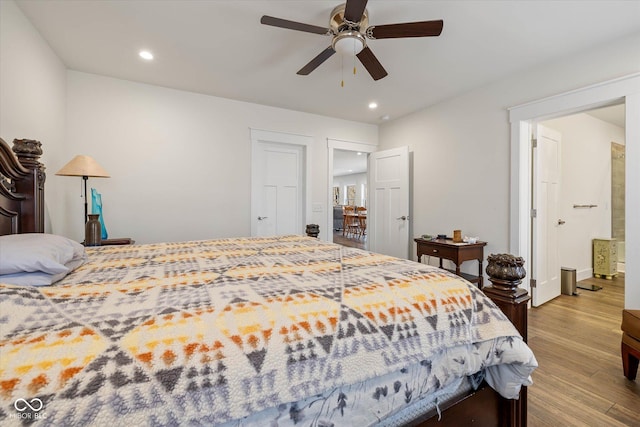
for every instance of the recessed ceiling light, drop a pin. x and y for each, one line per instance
(359, 153)
(145, 54)
(373, 105)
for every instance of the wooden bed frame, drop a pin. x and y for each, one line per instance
(22, 211)
(21, 187)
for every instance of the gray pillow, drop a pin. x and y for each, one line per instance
(38, 252)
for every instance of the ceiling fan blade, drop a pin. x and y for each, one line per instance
(354, 9)
(371, 63)
(292, 25)
(407, 29)
(315, 62)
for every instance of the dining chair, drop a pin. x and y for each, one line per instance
(348, 214)
(362, 220)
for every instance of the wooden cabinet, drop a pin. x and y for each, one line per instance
(456, 252)
(605, 258)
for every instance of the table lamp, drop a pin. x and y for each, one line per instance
(85, 167)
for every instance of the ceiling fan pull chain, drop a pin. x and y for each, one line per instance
(342, 70)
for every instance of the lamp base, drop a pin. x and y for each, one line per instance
(93, 231)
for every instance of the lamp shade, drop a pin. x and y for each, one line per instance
(83, 166)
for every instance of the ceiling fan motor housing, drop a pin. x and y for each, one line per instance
(337, 23)
(347, 39)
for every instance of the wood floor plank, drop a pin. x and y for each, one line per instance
(576, 340)
(563, 388)
(627, 416)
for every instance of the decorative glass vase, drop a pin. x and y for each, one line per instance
(93, 231)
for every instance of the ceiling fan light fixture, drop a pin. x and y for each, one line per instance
(349, 43)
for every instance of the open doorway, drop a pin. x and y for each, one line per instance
(388, 219)
(350, 194)
(592, 183)
(348, 177)
(589, 208)
(522, 120)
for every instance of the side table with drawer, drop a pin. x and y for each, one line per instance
(456, 252)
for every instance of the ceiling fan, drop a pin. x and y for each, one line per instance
(349, 28)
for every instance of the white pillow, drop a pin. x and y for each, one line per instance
(36, 278)
(33, 252)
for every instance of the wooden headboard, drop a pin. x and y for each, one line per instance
(21, 187)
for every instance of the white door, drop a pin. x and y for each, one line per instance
(546, 262)
(388, 212)
(277, 188)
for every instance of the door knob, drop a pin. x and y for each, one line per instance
(260, 218)
(403, 217)
(560, 221)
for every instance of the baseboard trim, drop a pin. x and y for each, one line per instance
(584, 274)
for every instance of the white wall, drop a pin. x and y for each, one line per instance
(357, 179)
(461, 146)
(32, 94)
(180, 162)
(585, 164)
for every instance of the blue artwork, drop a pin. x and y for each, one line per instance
(96, 208)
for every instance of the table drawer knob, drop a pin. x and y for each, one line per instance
(435, 251)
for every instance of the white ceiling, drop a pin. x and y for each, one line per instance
(614, 114)
(348, 162)
(220, 48)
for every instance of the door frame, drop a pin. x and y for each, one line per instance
(339, 144)
(625, 89)
(260, 136)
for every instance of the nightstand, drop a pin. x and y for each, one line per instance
(118, 241)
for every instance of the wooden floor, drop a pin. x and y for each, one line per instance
(579, 382)
(353, 242)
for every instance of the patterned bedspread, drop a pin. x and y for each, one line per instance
(208, 332)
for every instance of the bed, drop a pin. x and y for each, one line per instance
(281, 331)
